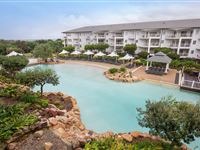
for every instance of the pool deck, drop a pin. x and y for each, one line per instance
(102, 65)
(167, 79)
(164, 79)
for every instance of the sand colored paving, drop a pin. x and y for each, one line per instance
(105, 66)
(168, 78)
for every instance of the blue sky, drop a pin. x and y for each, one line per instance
(21, 19)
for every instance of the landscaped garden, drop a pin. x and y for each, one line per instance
(24, 112)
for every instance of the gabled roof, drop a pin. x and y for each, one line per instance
(187, 23)
(160, 57)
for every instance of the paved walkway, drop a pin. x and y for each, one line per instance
(102, 65)
(168, 78)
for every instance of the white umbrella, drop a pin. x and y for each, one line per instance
(64, 52)
(100, 54)
(113, 54)
(13, 53)
(88, 52)
(127, 57)
(76, 52)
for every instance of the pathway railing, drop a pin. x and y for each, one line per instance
(191, 84)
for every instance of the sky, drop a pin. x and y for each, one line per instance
(47, 19)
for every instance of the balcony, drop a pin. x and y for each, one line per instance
(101, 36)
(172, 36)
(143, 45)
(186, 35)
(185, 45)
(183, 54)
(119, 35)
(154, 44)
(152, 35)
(173, 45)
(119, 43)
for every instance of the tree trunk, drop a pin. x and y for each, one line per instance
(41, 90)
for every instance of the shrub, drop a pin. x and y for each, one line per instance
(28, 97)
(10, 91)
(113, 70)
(13, 118)
(116, 144)
(43, 103)
(143, 54)
(122, 69)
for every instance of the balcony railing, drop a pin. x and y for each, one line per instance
(101, 36)
(191, 84)
(186, 35)
(154, 44)
(183, 54)
(154, 35)
(119, 43)
(185, 45)
(119, 35)
(173, 45)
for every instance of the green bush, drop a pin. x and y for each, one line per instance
(33, 98)
(143, 54)
(28, 97)
(122, 69)
(10, 91)
(114, 144)
(113, 70)
(13, 118)
(43, 103)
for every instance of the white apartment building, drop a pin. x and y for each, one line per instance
(183, 36)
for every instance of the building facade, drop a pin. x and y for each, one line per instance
(182, 36)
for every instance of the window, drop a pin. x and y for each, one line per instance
(162, 41)
(194, 42)
(192, 52)
(136, 41)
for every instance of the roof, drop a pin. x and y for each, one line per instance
(187, 23)
(160, 57)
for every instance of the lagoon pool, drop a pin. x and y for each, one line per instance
(107, 105)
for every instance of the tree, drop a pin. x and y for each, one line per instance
(13, 47)
(90, 47)
(38, 77)
(56, 45)
(168, 51)
(13, 64)
(143, 54)
(43, 51)
(2, 48)
(101, 46)
(69, 48)
(130, 48)
(172, 120)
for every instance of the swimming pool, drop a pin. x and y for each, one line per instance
(107, 105)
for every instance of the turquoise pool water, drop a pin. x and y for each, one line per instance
(109, 105)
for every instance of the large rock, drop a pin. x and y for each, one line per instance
(127, 137)
(62, 119)
(48, 145)
(38, 134)
(11, 146)
(136, 134)
(53, 121)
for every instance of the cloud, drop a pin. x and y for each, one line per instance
(52, 26)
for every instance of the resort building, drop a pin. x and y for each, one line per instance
(183, 36)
